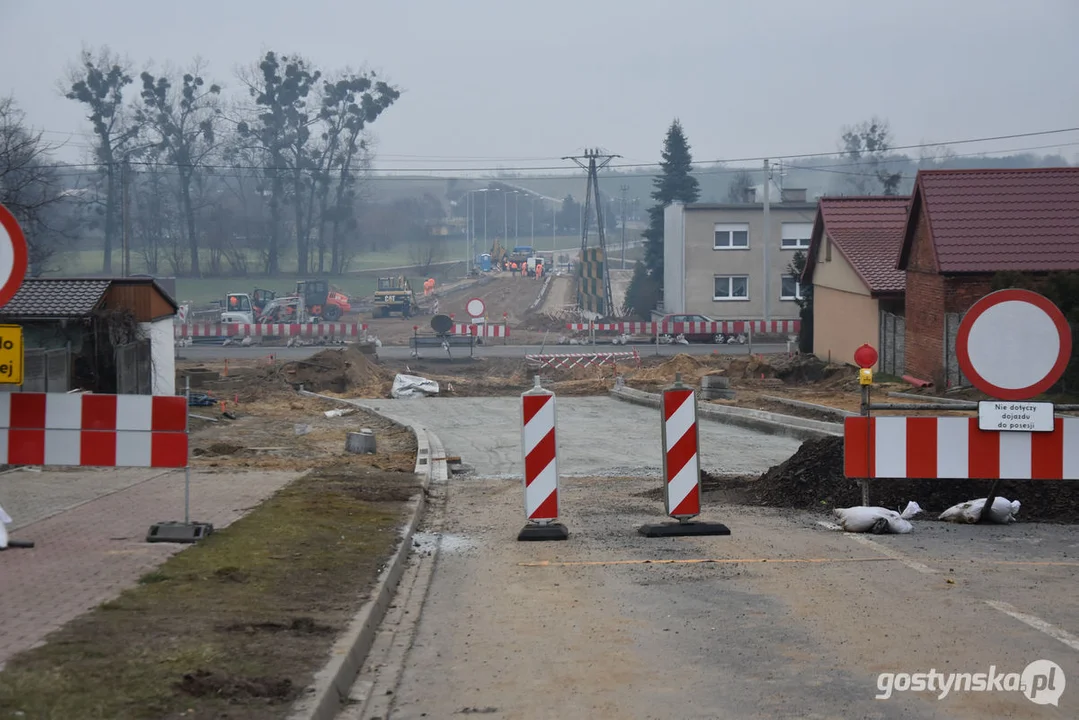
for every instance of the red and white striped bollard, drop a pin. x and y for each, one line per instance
(539, 450)
(681, 465)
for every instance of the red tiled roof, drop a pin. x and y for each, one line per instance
(993, 220)
(868, 231)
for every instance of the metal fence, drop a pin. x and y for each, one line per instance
(44, 371)
(953, 376)
(893, 330)
(134, 368)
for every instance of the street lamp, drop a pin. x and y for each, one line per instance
(533, 221)
(516, 216)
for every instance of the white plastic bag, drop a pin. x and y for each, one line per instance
(410, 386)
(1002, 512)
(5, 520)
(877, 519)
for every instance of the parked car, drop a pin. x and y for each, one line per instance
(706, 337)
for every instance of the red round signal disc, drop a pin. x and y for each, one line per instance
(1013, 344)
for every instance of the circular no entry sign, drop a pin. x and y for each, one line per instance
(12, 256)
(1013, 344)
(475, 307)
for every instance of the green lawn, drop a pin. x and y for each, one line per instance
(358, 282)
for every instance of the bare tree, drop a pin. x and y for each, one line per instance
(181, 123)
(424, 248)
(32, 188)
(98, 82)
(930, 156)
(741, 184)
(866, 145)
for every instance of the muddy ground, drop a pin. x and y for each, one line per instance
(811, 479)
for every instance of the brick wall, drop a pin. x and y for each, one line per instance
(962, 291)
(924, 307)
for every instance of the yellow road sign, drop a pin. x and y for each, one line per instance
(11, 354)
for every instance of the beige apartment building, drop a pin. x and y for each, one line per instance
(722, 262)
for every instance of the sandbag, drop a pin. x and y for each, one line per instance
(410, 386)
(877, 519)
(1002, 512)
(5, 520)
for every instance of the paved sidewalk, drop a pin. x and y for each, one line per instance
(91, 551)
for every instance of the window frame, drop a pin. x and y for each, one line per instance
(729, 229)
(730, 289)
(797, 289)
(799, 243)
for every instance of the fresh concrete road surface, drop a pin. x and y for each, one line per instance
(784, 618)
(596, 436)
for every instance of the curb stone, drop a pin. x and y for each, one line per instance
(325, 697)
(759, 420)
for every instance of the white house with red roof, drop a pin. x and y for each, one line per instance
(857, 289)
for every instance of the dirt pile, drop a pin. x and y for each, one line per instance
(688, 366)
(813, 479)
(800, 369)
(340, 371)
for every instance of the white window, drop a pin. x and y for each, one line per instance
(796, 235)
(731, 287)
(791, 288)
(731, 237)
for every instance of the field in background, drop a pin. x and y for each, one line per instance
(358, 282)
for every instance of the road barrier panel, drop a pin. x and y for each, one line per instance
(681, 466)
(539, 450)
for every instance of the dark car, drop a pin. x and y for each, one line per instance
(700, 337)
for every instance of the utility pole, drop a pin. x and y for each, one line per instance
(516, 216)
(505, 217)
(533, 216)
(767, 241)
(624, 189)
(593, 161)
(468, 233)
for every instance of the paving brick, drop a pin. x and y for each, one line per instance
(87, 554)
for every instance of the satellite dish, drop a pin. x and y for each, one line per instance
(441, 324)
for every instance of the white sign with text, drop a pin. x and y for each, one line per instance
(1015, 416)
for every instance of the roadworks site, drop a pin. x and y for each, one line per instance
(239, 624)
(812, 479)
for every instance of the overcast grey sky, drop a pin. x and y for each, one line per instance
(521, 83)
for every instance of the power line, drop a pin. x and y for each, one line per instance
(709, 171)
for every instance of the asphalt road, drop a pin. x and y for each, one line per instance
(208, 352)
(784, 618)
(596, 435)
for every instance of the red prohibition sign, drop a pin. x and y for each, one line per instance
(11, 278)
(1013, 344)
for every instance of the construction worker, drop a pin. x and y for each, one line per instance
(539, 271)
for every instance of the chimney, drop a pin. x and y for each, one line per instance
(793, 195)
(750, 195)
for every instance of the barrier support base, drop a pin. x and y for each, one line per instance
(13, 544)
(178, 532)
(680, 529)
(552, 531)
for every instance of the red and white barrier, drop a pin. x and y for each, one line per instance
(286, 330)
(480, 330)
(93, 430)
(566, 361)
(729, 327)
(954, 448)
(539, 448)
(681, 453)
